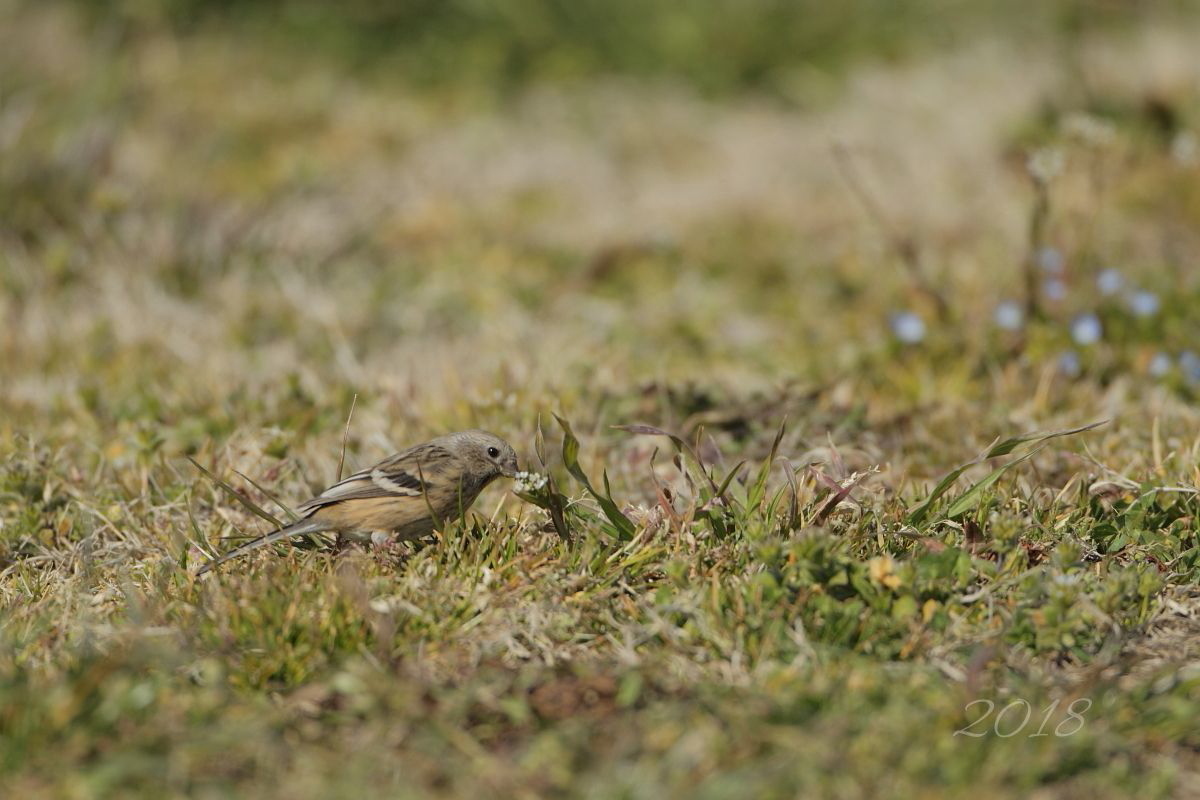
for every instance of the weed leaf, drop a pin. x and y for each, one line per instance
(918, 515)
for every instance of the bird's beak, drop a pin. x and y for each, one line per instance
(510, 470)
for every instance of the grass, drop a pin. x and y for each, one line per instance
(788, 50)
(806, 555)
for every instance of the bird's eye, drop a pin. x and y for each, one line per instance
(493, 452)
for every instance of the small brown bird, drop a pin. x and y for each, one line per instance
(406, 495)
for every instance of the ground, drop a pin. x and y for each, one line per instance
(255, 254)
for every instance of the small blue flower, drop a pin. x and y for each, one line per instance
(1051, 260)
(1009, 315)
(1160, 365)
(1054, 289)
(1143, 303)
(907, 327)
(1189, 364)
(1109, 281)
(1069, 364)
(1086, 329)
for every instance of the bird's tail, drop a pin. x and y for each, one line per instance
(299, 528)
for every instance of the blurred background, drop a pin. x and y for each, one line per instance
(471, 211)
(781, 49)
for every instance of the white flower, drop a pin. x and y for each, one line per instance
(1086, 329)
(1045, 164)
(529, 482)
(394, 603)
(908, 327)
(1185, 149)
(1090, 130)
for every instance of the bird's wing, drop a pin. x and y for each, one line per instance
(406, 474)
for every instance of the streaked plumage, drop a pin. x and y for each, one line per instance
(406, 495)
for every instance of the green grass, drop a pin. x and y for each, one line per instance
(788, 50)
(212, 246)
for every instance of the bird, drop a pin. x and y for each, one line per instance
(406, 495)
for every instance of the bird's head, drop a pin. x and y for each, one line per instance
(487, 455)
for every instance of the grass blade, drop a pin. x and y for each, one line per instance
(683, 447)
(624, 527)
(250, 505)
(970, 498)
(918, 515)
(291, 515)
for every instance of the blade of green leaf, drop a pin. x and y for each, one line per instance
(1005, 447)
(623, 524)
(570, 453)
(539, 443)
(917, 516)
(729, 478)
(624, 527)
(759, 488)
(970, 498)
(1008, 445)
